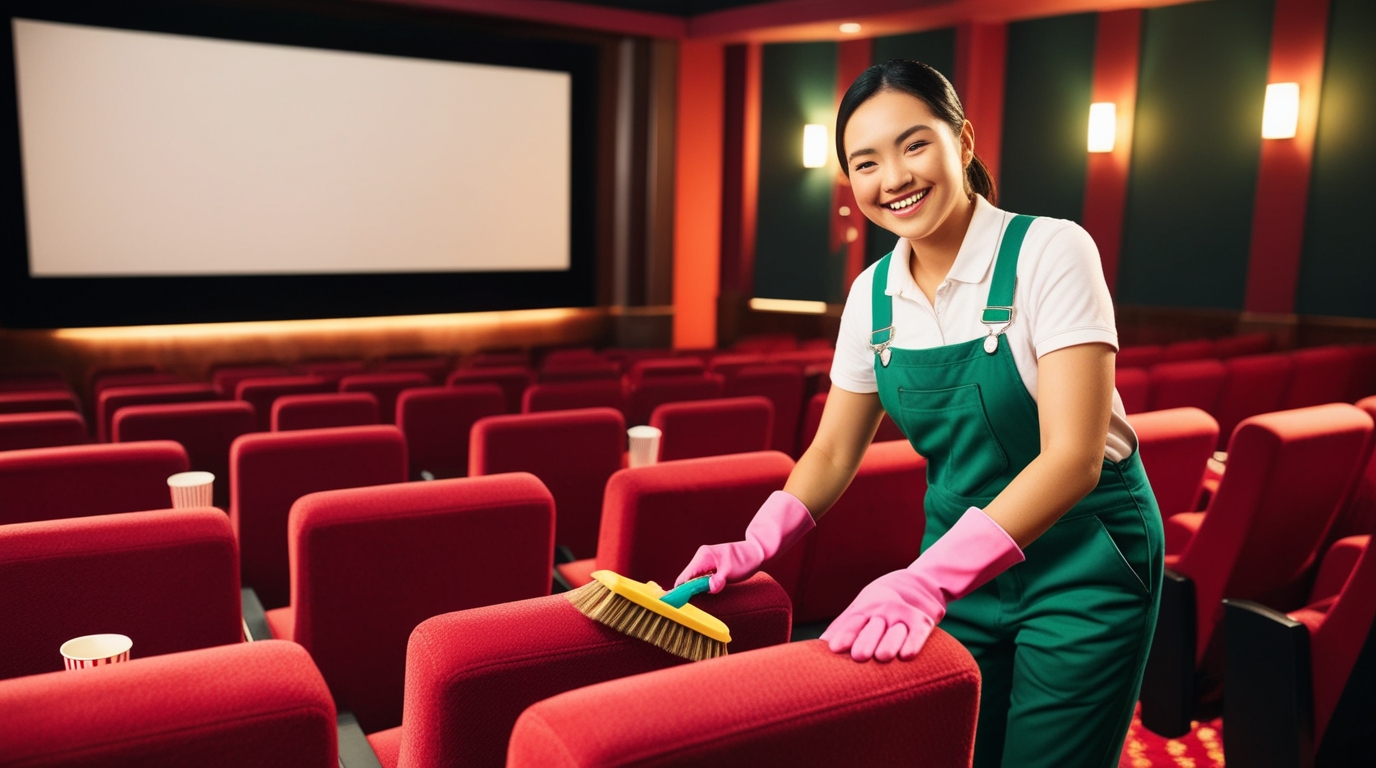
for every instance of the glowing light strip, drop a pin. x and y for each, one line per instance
(789, 305)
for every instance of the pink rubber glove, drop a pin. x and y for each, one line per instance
(895, 614)
(781, 521)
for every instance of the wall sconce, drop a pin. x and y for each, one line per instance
(1281, 115)
(1103, 126)
(814, 145)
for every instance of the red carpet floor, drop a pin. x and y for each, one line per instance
(1202, 747)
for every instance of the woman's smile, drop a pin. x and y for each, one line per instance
(907, 206)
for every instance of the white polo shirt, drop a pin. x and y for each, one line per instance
(1061, 299)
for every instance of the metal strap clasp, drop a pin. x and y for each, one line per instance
(882, 348)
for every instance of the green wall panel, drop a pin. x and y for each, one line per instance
(793, 225)
(1048, 85)
(1195, 152)
(1338, 271)
(937, 48)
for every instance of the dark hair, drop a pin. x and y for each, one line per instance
(923, 82)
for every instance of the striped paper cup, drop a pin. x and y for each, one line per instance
(191, 489)
(95, 650)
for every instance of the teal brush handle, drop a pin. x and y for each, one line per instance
(680, 595)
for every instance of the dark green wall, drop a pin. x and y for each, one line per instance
(1338, 271)
(936, 48)
(1048, 85)
(1195, 153)
(793, 223)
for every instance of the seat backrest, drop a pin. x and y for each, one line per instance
(261, 704)
(470, 674)
(205, 430)
(1245, 344)
(875, 527)
(1175, 446)
(498, 359)
(567, 395)
(726, 365)
(386, 387)
(465, 543)
(114, 398)
(1337, 642)
(1133, 387)
(580, 370)
(920, 712)
(572, 452)
(1321, 375)
(656, 367)
(168, 579)
(327, 409)
(653, 391)
(80, 480)
(714, 427)
(334, 370)
(1185, 384)
(1358, 514)
(43, 429)
(783, 386)
(435, 367)
(1287, 471)
(1363, 380)
(1252, 385)
(437, 422)
(38, 401)
(32, 379)
(1139, 356)
(226, 378)
(1190, 349)
(269, 471)
(654, 518)
(513, 379)
(262, 394)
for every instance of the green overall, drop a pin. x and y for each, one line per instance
(1061, 639)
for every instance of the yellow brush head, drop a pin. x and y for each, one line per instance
(636, 609)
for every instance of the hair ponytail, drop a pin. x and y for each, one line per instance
(979, 181)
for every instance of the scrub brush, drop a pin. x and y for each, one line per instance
(647, 612)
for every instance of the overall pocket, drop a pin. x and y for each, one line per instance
(951, 429)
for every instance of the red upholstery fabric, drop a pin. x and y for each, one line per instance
(783, 386)
(269, 471)
(1287, 472)
(169, 579)
(38, 401)
(136, 376)
(572, 452)
(226, 378)
(386, 746)
(714, 427)
(571, 355)
(435, 368)
(80, 480)
(470, 674)
(369, 564)
(654, 518)
(567, 395)
(499, 359)
(657, 367)
(1175, 446)
(1338, 563)
(32, 380)
(1140, 356)
(920, 712)
(1254, 384)
(1337, 641)
(260, 704)
(386, 387)
(1321, 375)
(726, 365)
(653, 391)
(1246, 344)
(205, 430)
(1363, 380)
(1190, 349)
(1185, 384)
(804, 356)
(114, 398)
(334, 370)
(43, 429)
(330, 409)
(262, 394)
(582, 370)
(512, 379)
(1134, 388)
(437, 422)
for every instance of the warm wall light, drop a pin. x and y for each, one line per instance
(789, 305)
(814, 145)
(850, 28)
(1281, 114)
(1103, 126)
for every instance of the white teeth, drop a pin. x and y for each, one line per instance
(908, 201)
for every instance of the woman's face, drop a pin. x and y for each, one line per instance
(907, 167)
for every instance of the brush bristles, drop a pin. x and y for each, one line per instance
(603, 605)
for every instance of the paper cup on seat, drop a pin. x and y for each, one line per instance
(95, 650)
(191, 489)
(644, 445)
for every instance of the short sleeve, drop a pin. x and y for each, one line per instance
(852, 367)
(1067, 288)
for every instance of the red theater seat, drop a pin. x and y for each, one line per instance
(1175, 446)
(269, 471)
(259, 704)
(659, 367)
(205, 430)
(512, 379)
(1185, 384)
(466, 684)
(32, 380)
(1245, 344)
(1252, 385)
(327, 409)
(653, 391)
(112, 399)
(783, 386)
(168, 579)
(43, 429)
(713, 427)
(567, 395)
(226, 378)
(1363, 382)
(81, 480)
(37, 401)
(499, 359)
(437, 422)
(1190, 349)
(434, 367)
(1133, 387)
(386, 387)
(1321, 375)
(333, 370)
(1139, 356)
(369, 564)
(262, 394)
(920, 712)
(580, 370)
(572, 452)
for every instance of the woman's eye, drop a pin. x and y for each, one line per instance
(916, 145)
(863, 166)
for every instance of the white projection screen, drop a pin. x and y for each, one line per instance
(146, 154)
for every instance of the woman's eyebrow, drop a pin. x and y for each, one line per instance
(901, 138)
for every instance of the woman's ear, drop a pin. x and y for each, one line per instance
(967, 143)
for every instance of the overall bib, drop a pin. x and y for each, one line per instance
(1061, 639)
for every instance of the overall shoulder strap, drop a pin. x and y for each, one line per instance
(1000, 301)
(881, 307)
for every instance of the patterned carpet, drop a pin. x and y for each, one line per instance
(1202, 747)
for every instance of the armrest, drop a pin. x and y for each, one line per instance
(1337, 564)
(1168, 688)
(1268, 709)
(255, 617)
(354, 749)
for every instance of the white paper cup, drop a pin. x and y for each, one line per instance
(95, 650)
(644, 445)
(191, 489)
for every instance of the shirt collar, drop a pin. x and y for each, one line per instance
(972, 262)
